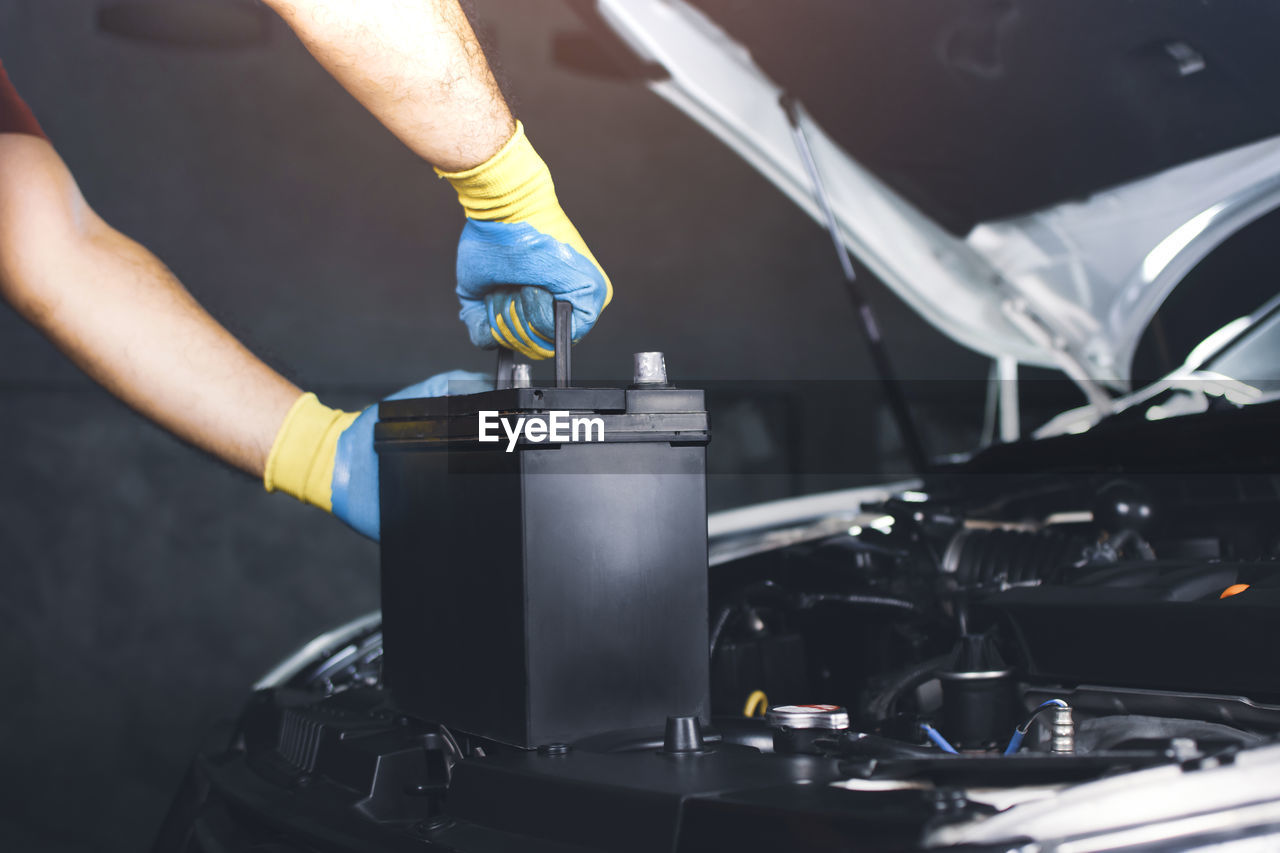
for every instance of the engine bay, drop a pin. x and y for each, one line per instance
(925, 669)
(966, 609)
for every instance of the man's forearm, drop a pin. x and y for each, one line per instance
(120, 315)
(416, 65)
(140, 334)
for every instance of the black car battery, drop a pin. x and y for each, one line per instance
(544, 559)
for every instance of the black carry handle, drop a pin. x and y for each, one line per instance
(504, 377)
(564, 331)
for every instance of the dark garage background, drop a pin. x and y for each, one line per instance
(143, 587)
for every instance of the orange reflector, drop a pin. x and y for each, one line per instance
(1234, 589)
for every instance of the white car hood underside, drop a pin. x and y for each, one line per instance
(1071, 286)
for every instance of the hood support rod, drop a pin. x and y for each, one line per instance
(889, 382)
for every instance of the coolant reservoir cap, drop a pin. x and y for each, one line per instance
(832, 717)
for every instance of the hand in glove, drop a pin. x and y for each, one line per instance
(325, 456)
(519, 252)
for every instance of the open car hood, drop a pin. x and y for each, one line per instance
(1070, 285)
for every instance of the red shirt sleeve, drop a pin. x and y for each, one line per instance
(15, 115)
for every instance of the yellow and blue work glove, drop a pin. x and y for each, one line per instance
(325, 456)
(519, 252)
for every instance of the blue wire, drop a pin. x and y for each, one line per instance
(1015, 742)
(939, 741)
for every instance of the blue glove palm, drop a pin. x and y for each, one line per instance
(355, 469)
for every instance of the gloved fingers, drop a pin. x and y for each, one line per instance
(508, 340)
(355, 476)
(586, 311)
(500, 256)
(529, 303)
(354, 486)
(509, 329)
(504, 336)
(539, 307)
(494, 304)
(475, 317)
(512, 327)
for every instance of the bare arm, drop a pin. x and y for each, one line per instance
(116, 311)
(414, 64)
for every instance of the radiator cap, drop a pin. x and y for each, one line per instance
(830, 717)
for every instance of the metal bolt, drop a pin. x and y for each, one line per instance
(650, 368)
(1062, 732)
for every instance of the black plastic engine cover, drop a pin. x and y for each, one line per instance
(1154, 625)
(347, 772)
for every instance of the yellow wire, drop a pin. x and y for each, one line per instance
(757, 701)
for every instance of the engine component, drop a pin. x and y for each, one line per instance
(1123, 505)
(1052, 705)
(683, 736)
(1119, 730)
(1095, 702)
(796, 727)
(978, 694)
(977, 706)
(774, 664)
(997, 557)
(878, 706)
(1145, 625)
(1062, 731)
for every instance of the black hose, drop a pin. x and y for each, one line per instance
(1125, 538)
(879, 705)
(806, 600)
(718, 628)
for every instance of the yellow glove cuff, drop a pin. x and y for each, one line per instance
(301, 459)
(515, 186)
